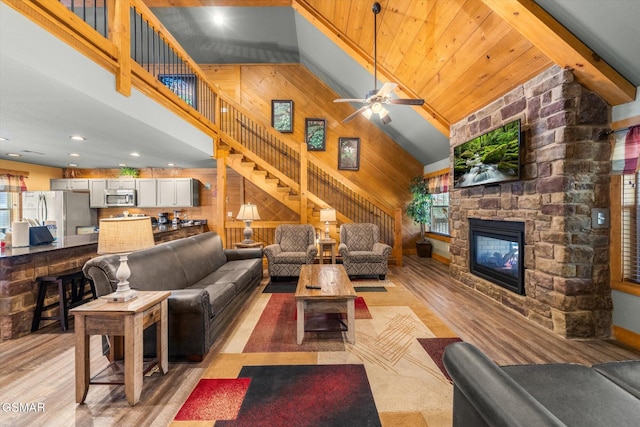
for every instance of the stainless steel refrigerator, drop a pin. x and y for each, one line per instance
(68, 208)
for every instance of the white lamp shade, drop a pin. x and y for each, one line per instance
(248, 212)
(327, 215)
(123, 235)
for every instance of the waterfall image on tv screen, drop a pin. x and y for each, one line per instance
(490, 158)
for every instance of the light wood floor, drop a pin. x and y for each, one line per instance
(40, 367)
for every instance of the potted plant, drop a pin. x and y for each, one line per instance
(132, 172)
(419, 210)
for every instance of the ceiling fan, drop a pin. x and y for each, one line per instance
(374, 100)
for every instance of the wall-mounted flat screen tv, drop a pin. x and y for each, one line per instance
(490, 158)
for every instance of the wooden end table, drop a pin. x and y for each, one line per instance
(331, 245)
(336, 295)
(127, 320)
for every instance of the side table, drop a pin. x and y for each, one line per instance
(329, 244)
(127, 320)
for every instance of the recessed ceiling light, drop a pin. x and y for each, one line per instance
(78, 138)
(122, 165)
(14, 155)
(135, 154)
(218, 19)
(74, 154)
(2, 138)
(72, 165)
(170, 164)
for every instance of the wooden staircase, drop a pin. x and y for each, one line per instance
(263, 180)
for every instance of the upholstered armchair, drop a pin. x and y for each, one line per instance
(294, 246)
(362, 252)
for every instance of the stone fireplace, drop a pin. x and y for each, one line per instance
(565, 163)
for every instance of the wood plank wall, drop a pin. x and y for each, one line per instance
(386, 168)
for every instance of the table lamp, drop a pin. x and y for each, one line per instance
(327, 215)
(123, 236)
(248, 213)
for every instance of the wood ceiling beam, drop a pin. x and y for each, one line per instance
(365, 60)
(565, 49)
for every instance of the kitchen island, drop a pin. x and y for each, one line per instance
(19, 268)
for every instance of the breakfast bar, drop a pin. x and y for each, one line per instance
(19, 268)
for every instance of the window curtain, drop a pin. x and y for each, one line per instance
(438, 184)
(12, 183)
(626, 150)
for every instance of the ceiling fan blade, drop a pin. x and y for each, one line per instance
(349, 100)
(358, 111)
(405, 101)
(386, 89)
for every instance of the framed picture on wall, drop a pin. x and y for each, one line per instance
(349, 154)
(315, 134)
(282, 115)
(183, 85)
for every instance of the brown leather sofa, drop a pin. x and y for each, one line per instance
(207, 282)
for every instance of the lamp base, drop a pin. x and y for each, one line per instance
(121, 296)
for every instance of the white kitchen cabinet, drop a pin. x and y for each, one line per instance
(146, 193)
(73, 184)
(178, 192)
(121, 184)
(97, 197)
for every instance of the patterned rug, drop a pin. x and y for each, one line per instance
(259, 376)
(435, 348)
(276, 330)
(360, 285)
(290, 395)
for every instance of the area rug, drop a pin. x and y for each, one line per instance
(280, 287)
(287, 395)
(435, 349)
(276, 329)
(302, 395)
(360, 285)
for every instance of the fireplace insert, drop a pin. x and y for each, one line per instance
(496, 252)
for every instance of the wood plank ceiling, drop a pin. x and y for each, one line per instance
(458, 55)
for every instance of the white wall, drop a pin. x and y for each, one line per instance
(626, 307)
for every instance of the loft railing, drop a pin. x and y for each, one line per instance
(114, 33)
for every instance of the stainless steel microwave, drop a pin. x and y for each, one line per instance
(115, 198)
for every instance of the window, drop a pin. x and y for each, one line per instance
(438, 185)
(440, 213)
(5, 211)
(8, 209)
(630, 228)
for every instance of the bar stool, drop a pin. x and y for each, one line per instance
(72, 292)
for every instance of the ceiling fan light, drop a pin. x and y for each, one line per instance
(376, 107)
(385, 118)
(367, 113)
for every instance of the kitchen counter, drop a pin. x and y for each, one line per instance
(19, 268)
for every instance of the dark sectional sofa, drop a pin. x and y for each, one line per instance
(486, 394)
(207, 284)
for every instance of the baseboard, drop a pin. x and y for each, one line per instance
(627, 337)
(440, 258)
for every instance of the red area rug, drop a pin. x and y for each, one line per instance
(306, 395)
(276, 328)
(435, 349)
(214, 399)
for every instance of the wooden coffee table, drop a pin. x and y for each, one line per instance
(335, 295)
